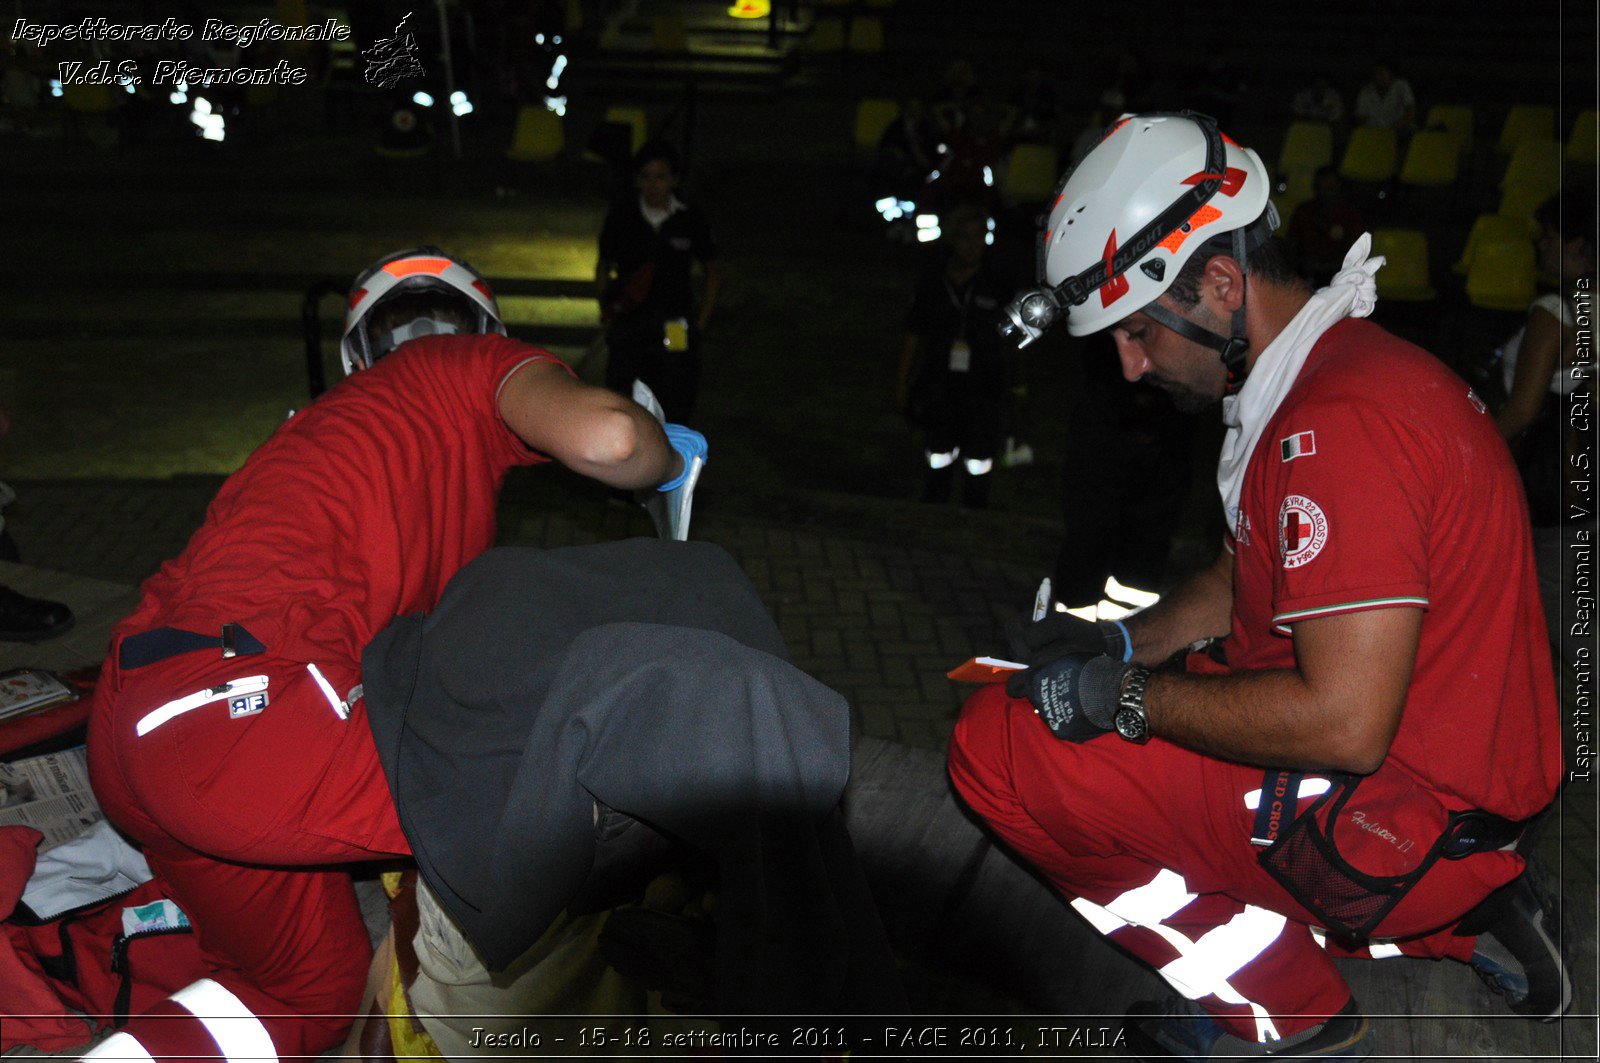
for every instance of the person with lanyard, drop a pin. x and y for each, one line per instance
(644, 280)
(229, 732)
(952, 373)
(1341, 771)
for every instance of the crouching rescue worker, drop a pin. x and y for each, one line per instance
(1348, 772)
(229, 735)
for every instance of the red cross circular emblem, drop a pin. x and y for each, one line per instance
(1302, 530)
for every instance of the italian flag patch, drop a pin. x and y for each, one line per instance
(1299, 445)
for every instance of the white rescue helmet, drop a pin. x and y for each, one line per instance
(1129, 216)
(418, 270)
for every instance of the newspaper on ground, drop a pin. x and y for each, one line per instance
(51, 794)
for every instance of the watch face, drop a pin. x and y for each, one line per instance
(1130, 725)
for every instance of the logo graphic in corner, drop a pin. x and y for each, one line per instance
(392, 60)
(1302, 530)
(248, 705)
(1299, 445)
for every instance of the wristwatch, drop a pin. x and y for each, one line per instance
(1131, 721)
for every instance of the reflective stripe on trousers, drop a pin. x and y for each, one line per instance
(217, 1025)
(1204, 965)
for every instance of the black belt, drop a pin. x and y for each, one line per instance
(148, 647)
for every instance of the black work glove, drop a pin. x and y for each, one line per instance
(1076, 695)
(1039, 642)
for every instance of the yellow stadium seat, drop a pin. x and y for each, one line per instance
(1285, 208)
(1519, 202)
(1306, 146)
(872, 118)
(1370, 155)
(634, 119)
(1526, 122)
(1536, 163)
(1583, 146)
(1455, 120)
(538, 135)
(866, 35)
(1030, 175)
(1431, 160)
(1490, 228)
(827, 35)
(1502, 275)
(1292, 189)
(667, 35)
(1404, 277)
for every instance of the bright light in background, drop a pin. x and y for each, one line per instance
(212, 126)
(422, 99)
(555, 72)
(988, 177)
(1132, 595)
(55, 86)
(925, 236)
(893, 210)
(751, 9)
(557, 104)
(459, 104)
(1129, 600)
(538, 38)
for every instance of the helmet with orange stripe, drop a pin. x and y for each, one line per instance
(422, 291)
(1157, 188)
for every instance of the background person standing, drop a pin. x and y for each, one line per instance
(644, 280)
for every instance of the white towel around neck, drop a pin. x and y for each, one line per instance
(1352, 293)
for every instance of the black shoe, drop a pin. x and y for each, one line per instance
(1178, 1028)
(1518, 952)
(24, 619)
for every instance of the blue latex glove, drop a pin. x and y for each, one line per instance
(690, 445)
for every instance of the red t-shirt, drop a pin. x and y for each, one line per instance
(1381, 482)
(358, 509)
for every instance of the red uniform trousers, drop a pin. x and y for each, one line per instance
(1152, 844)
(242, 814)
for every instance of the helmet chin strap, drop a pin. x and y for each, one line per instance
(1233, 348)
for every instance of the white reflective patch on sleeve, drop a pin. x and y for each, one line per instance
(119, 1046)
(236, 1030)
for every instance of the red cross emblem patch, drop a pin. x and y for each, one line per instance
(1302, 530)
